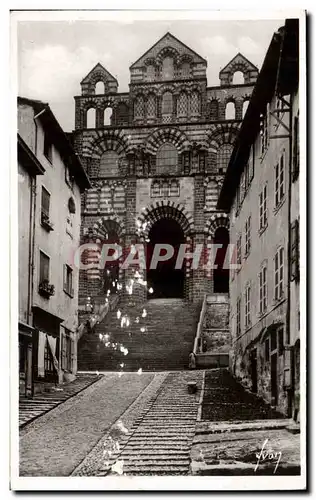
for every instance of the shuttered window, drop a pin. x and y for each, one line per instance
(44, 267)
(45, 201)
(68, 280)
(295, 250)
(296, 149)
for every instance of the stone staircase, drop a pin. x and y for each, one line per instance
(41, 403)
(162, 340)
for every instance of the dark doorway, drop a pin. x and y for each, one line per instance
(253, 365)
(221, 275)
(274, 379)
(165, 280)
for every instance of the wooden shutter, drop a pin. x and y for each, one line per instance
(295, 250)
(45, 201)
(65, 277)
(296, 155)
(251, 165)
(44, 267)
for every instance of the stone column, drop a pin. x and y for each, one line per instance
(198, 275)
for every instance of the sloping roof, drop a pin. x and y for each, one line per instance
(99, 67)
(173, 39)
(279, 75)
(262, 93)
(28, 158)
(61, 140)
(239, 56)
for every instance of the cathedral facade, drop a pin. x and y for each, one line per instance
(156, 157)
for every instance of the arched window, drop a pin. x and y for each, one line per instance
(230, 111)
(223, 157)
(195, 104)
(151, 106)
(151, 72)
(244, 107)
(139, 107)
(186, 70)
(167, 159)
(238, 78)
(182, 105)
(107, 116)
(214, 109)
(109, 164)
(100, 88)
(91, 118)
(167, 68)
(167, 103)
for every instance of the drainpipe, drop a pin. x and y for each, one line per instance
(31, 247)
(288, 309)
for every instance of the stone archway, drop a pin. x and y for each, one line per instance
(217, 230)
(164, 278)
(165, 225)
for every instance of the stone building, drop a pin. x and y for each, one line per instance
(261, 193)
(156, 157)
(51, 180)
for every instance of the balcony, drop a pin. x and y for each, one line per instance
(46, 289)
(46, 223)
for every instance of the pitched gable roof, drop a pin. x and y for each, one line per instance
(237, 59)
(99, 67)
(175, 43)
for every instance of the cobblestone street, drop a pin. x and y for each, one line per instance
(151, 424)
(57, 442)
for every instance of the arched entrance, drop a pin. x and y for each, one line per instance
(166, 281)
(221, 275)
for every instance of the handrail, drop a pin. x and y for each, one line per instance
(200, 326)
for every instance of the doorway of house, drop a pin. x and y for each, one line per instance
(165, 280)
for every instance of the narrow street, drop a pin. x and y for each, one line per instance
(151, 424)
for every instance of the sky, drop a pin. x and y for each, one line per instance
(54, 56)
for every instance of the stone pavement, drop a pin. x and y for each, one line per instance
(149, 424)
(54, 444)
(262, 447)
(32, 408)
(239, 434)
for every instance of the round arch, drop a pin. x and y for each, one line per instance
(220, 134)
(109, 224)
(171, 135)
(114, 140)
(158, 211)
(215, 222)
